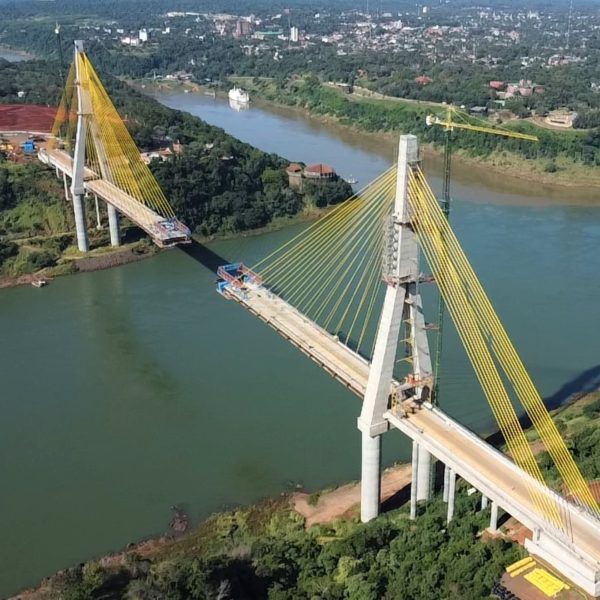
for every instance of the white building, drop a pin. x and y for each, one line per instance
(294, 34)
(143, 35)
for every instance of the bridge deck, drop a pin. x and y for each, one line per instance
(473, 459)
(163, 233)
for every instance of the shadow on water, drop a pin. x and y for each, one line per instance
(204, 255)
(584, 383)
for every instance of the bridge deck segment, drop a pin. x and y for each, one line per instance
(164, 232)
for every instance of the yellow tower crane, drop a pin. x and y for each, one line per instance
(455, 119)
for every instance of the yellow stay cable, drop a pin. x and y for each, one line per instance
(519, 378)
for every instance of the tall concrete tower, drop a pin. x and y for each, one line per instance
(402, 304)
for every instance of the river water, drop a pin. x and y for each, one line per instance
(12, 55)
(130, 390)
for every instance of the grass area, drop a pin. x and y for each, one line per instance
(573, 418)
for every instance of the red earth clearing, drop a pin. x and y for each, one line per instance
(26, 117)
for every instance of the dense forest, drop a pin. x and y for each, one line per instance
(218, 185)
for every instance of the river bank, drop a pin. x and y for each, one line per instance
(106, 257)
(98, 260)
(561, 171)
(325, 515)
(14, 55)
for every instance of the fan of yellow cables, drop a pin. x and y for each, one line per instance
(490, 350)
(331, 271)
(110, 150)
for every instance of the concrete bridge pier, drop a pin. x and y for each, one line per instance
(370, 485)
(113, 225)
(493, 528)
(98, 219)
(414, 484)
(451, 494)
(484, 502)
(424, 479)
(446, 483)
(80, 222)
(66, 185)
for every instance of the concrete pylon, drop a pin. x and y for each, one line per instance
(484, 502)
(77, 186)
(370, 490)
(113, 225)
(404, 268)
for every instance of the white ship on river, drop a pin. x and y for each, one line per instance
(239, 95)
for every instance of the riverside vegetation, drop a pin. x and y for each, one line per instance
(265, 551)
(218, 185)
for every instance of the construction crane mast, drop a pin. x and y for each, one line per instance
(60, 54)
(449, 122)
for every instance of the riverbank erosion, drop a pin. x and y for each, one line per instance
(299, 545)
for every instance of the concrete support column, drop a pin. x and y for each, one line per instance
(493, 528)
(451, 494)
(414, 484)
(424, 475)
(80, 222)
(65, 183)
(370, 484)
(484, 502)
(113, 224)
(446, 483)
(98, 219)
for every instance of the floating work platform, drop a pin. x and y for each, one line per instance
(236, 278)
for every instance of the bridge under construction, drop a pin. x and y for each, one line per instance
(346, 292)
(92, 148)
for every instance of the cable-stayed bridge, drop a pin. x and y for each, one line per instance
(91, 147)
(346, 292)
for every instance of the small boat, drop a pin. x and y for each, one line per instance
(239, 95)
(352, 180)
(38, 283)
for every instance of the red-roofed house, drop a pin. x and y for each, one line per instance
(423, 80)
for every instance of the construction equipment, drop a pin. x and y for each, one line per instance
(455, 119)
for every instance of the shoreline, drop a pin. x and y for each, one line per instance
(85, 264)
(505, 163)
(17, 52)
(527, 171)
(125, 255)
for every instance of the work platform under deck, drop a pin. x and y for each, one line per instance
(575, 552)
(164, 232)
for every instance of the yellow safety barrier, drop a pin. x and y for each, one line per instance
(520, 563)
(546, 583)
